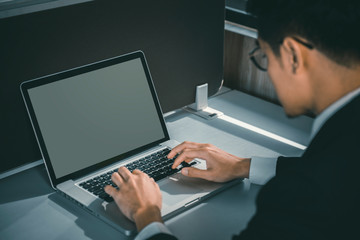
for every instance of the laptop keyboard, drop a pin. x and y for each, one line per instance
(156, 165)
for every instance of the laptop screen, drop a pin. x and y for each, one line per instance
(97, 115)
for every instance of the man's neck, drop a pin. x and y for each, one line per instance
(333, 84)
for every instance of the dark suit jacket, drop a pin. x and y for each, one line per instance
(317, 195)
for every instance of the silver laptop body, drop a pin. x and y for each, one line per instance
(95, 118)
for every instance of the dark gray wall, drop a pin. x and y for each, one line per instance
(182, 40)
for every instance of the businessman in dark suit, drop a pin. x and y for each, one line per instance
(311, 50)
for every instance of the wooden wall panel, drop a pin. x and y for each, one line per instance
(240, 73)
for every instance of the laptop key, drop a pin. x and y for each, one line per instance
(92, 189)
(98, 192)
(159, 177)
(87, 186)
(108, 199)
(156, 165)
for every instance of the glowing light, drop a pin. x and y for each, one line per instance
(262, 131)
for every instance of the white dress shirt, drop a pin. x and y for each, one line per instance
(263, 169)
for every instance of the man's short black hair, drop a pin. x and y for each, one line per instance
(332, 27)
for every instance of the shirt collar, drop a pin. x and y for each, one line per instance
(331, 110)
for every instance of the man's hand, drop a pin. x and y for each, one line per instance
(221, 166)
(138, 197)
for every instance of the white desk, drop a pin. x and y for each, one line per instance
(29, 208)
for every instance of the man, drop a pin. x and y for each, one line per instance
(312, 51)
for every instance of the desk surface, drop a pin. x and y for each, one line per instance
(30, 209)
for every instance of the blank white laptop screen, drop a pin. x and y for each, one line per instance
(95, 116)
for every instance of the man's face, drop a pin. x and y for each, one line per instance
(293, 89)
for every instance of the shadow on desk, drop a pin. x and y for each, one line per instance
(92, 227)
(31, 209)
(25, 185)
(219, 217)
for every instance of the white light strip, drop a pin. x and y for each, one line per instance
(262, 132)
(20, 169)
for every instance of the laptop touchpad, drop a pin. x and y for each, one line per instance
(174, 191)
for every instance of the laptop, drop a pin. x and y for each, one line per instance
(91, 120)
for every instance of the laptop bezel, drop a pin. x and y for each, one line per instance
(25, 86)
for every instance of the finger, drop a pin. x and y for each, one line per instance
(179, 148)
(110, 190)
(115, 178)
(137, 172)
(176, 164)
(196, 173)
(124, 173)
(157, 186)
(140, 173)
(189, 154)
(184, 156)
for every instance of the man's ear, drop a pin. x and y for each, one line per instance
(294, 55)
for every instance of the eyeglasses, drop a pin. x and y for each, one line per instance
(260, 60)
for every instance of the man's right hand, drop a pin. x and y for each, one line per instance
(221, 166)
(138, 196)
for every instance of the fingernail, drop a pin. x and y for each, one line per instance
(184, 171)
